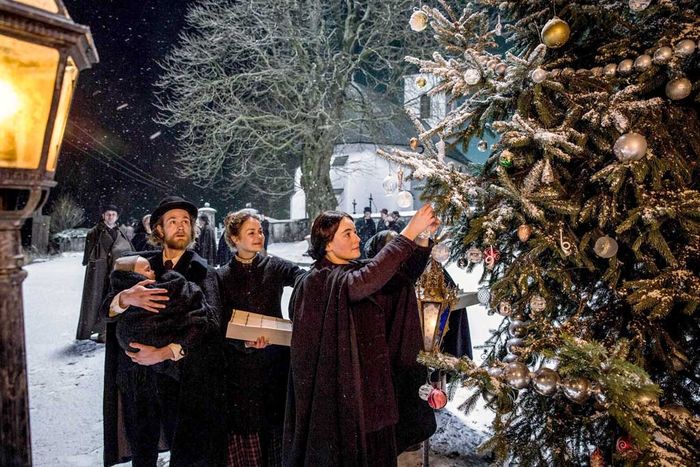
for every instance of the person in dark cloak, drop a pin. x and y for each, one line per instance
(365, 228)
(183, 415)
(341, 407)
(141, 234)
(265, 223)
(205, 245)
(256, 373)
(104, 243)
(223, 252)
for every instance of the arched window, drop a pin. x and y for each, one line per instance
(425, 106)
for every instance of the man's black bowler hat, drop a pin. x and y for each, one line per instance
(172, 202)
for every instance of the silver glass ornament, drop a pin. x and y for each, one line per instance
(642, 63)
(639, 5)
(472, 76)
(545, 381)
(404, 199)
(576, 389)
(630, 147)
(440, 252)
(609, 70)
(625, 67)
(475, 255)
(390, 184)
(516, 375)
(510, 358)
(678, 88)
(538, 75)
(684, 48)
(663, 55)
(514, 344)
(505, 308)
(483, 295)
(605, 247)
(517, 328)
(482, 146)
(538, 303)
(424, 391)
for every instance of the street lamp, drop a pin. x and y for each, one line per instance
(41, 52)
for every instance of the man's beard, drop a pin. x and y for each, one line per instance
(179, 243)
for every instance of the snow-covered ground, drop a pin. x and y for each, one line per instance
(65, 376)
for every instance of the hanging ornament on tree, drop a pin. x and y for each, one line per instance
(418, 21)
(630, 147)
(440, 253)
(597, 459)
(609, 70)
(605, 247)
(516, 328)
(547, 173)
(538, 75)
(576, 389)
(565, 245)
(555, 33)
(421, 82)
(424, 391)
(491, 257)
(684, 48)
(514, 345)
(474, 255)
(483, 295)
(625, 67)
(437, 399)
(472, 76)
(498, 30)
(678, 88)
(639, 5)
(642, 63)
(524, 232)
(390, 184)
(663, 55)
(506, 159)
(413, 143)
(482, 146)
(538, 303)
(501, 69)
(404, 199)
(516, 375)
(505, 308)
(624, 444)
(545, 381)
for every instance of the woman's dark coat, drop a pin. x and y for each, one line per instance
(198, 437)
(205, 245)
(256, 379)
(102, 246)
(341, 385)
(140, 239)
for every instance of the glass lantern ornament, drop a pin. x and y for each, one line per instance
(435, 300)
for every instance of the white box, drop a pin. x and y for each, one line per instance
(249, 326)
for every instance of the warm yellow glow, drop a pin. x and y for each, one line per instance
(9, 101)
(48, 5)
(70, 75)
(431, 313)
(30, 71)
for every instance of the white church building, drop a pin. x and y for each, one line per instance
(357, 172)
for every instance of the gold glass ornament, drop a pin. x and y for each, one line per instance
(642, 63)
(555, 33)
(418, 21)
(663, 55)
(678, 88)
(625, 67)
(609, 70)
(421, 82)
(545, 381)
(605, 247)
(630, 147)
(501, 69)
(538, 75)
(524, 232)
(684, 48)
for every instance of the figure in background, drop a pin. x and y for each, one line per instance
(223, 252)
(205, 245)
(141, 233)
(105, 242)
(365, 228)
(256, 373)
(342, 408)
(265, 223)
(396, 224)
(383, 222)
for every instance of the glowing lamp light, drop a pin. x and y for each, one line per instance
(10, 100)
(435, 301)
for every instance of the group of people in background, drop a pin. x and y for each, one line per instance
(344, 393)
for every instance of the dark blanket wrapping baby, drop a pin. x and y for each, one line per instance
(182, 321)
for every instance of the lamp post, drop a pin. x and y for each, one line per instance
(436, 299)
(41, 53)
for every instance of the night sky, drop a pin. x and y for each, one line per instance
(113, 152)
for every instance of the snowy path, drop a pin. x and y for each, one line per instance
(66, 377)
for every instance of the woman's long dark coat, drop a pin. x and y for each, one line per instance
(341, 385)
(101, 249)
(256, 378)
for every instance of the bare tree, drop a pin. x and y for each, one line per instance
(66, 214)
(254, 85)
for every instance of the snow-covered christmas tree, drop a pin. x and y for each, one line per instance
(586, 215)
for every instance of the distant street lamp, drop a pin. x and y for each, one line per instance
(41, 52)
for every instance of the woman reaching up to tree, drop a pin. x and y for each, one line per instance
(342, 408)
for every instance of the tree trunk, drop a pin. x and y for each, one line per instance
(316, 176)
